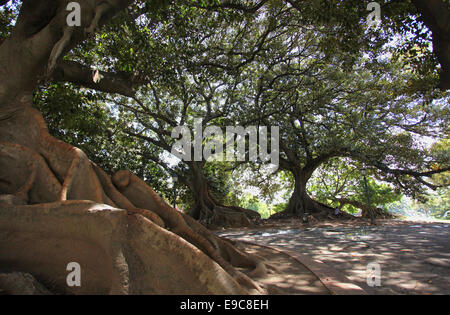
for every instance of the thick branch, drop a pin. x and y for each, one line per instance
(70, 71)
(158, 143)
(402, 172)
(314, 163)
(436, 15)
(416, 174)
(234, 5)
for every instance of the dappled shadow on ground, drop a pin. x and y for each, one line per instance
(414, 257)
(285, 274)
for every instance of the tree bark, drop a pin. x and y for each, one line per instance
(301, 204)
(436, 15)
(210, 212)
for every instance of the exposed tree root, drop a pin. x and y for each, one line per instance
(118, 253)
(144, 197)
(18, 283)
(304, 207)
(214, 215)
(26, 175)
(40, 170)
(207, 210)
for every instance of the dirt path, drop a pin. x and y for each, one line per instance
(286, 275)
(414, 257)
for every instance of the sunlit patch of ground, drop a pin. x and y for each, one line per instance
(414, 257)
(286, 275)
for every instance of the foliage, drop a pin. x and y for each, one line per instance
(339, 182)
(253, 203)
(84, 119)
(8, 15)
(335, 87)
(437, 206)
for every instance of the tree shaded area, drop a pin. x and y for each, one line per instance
(341, 184)
(87, 116)
(38, 169)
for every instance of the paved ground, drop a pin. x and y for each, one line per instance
(414, 258)
(286, 275)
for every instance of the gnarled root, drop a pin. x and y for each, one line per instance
(26, 175)
(144, 248)
(117, 253)
(143, 196)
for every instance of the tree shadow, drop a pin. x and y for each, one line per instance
(413, 258)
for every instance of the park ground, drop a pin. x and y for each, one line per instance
(414, 256)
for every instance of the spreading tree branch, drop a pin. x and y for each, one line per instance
(70, 71)
(234, 5)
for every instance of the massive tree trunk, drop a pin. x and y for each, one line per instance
(210, 212)
(57, 207)
(301, 204)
